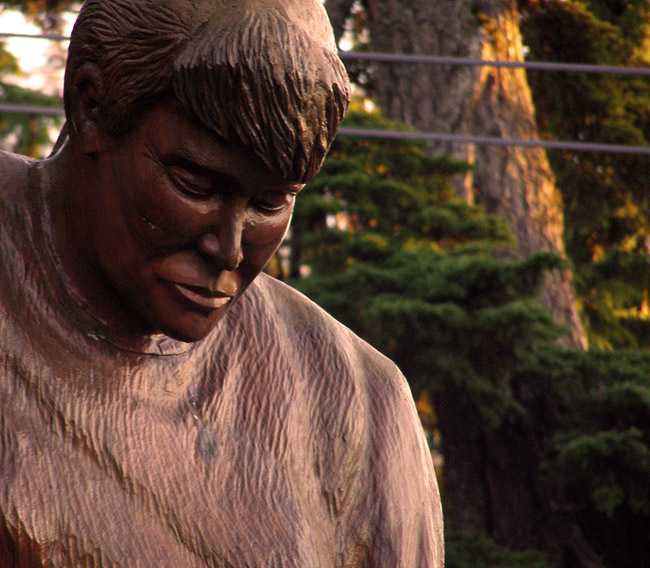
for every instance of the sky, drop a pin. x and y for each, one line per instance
(39, 73)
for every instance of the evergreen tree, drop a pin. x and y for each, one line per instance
(544, 449)
(28, 134)
(511, 181)
(605, 195)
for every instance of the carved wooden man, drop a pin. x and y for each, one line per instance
(162, 404)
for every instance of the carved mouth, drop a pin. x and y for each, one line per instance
(202, 296)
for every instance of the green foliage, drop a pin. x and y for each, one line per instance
(622, 461)
(447, 319)
(479, 551)
(26, 133)
(600, 457)
(605, 195)
(414, 271)
(591, 417)
(23, 133)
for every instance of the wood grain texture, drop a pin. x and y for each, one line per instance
(280, 440)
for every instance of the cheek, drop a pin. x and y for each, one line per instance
(157, 217)
(260, 242)
(255, 259)
(266, 231)
(123, 262)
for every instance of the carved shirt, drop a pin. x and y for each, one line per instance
(280, 440)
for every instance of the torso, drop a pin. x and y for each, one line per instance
(261, 446)
(220, 455)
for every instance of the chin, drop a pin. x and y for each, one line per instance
(191, 331)
(187, 335)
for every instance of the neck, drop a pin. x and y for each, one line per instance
(71, 183)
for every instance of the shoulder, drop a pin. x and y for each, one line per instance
(313, 327)
(13, 176)
(364, 395)
(292, 308)
(14, 167)
(341, 361)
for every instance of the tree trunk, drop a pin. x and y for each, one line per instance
(511, 181)
(514, 182)
(487, 487)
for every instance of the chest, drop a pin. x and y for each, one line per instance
(104, 483)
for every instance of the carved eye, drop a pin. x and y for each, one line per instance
(273, 201)
(190, 183)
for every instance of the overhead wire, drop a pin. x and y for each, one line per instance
(468, 61)
(428, 60)
(435, 60)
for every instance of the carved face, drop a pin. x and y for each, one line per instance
(183, 222)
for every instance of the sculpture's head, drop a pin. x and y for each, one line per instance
(264, 73)
(199, 121)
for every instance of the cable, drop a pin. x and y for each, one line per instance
(410, 135)
(442, 60)
(468, 139)
(431, 136)
(52, 37)
(531, 65)
(29, 109)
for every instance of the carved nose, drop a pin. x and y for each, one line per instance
(223, 246)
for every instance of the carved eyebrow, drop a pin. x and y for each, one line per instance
(204, 164)
(197, 165)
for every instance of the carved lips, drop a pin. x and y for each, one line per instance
(203, 297)
(194, 279)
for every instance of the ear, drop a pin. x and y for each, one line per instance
(87, 93)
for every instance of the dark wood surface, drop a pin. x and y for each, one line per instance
(162, 404)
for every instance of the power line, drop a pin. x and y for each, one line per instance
(53, 37)
(529, 65)
(439, 60)
(31, 109)
(489, 140)
(430, 136)
(411, 135)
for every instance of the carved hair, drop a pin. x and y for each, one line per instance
(261, 72)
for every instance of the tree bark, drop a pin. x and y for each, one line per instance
(514, 182)
(489, 482)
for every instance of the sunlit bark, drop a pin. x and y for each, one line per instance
(489, 483)
(514, 182)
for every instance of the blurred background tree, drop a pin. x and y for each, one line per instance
(544, 448)
(47, 14)
(509, 476)
(514, 182)
(30, 134)
(607, 204)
